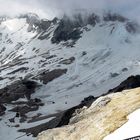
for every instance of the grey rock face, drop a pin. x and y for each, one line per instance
(132, 27)
(68, 61)
(93, 19)
(2, 109)
(46, 77)
(16, 90)
(130, 83)
(66, 30)
(114, 17)
(71, 28)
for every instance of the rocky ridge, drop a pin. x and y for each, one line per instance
(105, 115)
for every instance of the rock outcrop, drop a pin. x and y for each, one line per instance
(49, 76)
(130, 83)
(70, 29)
(104, 116)
(60, 119)
(17, 90)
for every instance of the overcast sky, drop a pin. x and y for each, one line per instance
(51, 8)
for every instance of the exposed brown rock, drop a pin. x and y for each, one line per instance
(105, 115)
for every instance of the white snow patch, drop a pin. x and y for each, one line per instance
(128, 130)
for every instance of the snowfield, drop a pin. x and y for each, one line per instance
(129, 130)
(104, 56)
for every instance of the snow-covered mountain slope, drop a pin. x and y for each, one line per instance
(70, 59)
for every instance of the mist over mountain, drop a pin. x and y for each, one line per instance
(52, 8)
(59, 63)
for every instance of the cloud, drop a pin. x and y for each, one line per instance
(15, 7)
(51, 8)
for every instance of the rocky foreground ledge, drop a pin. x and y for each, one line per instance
(103, 117)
